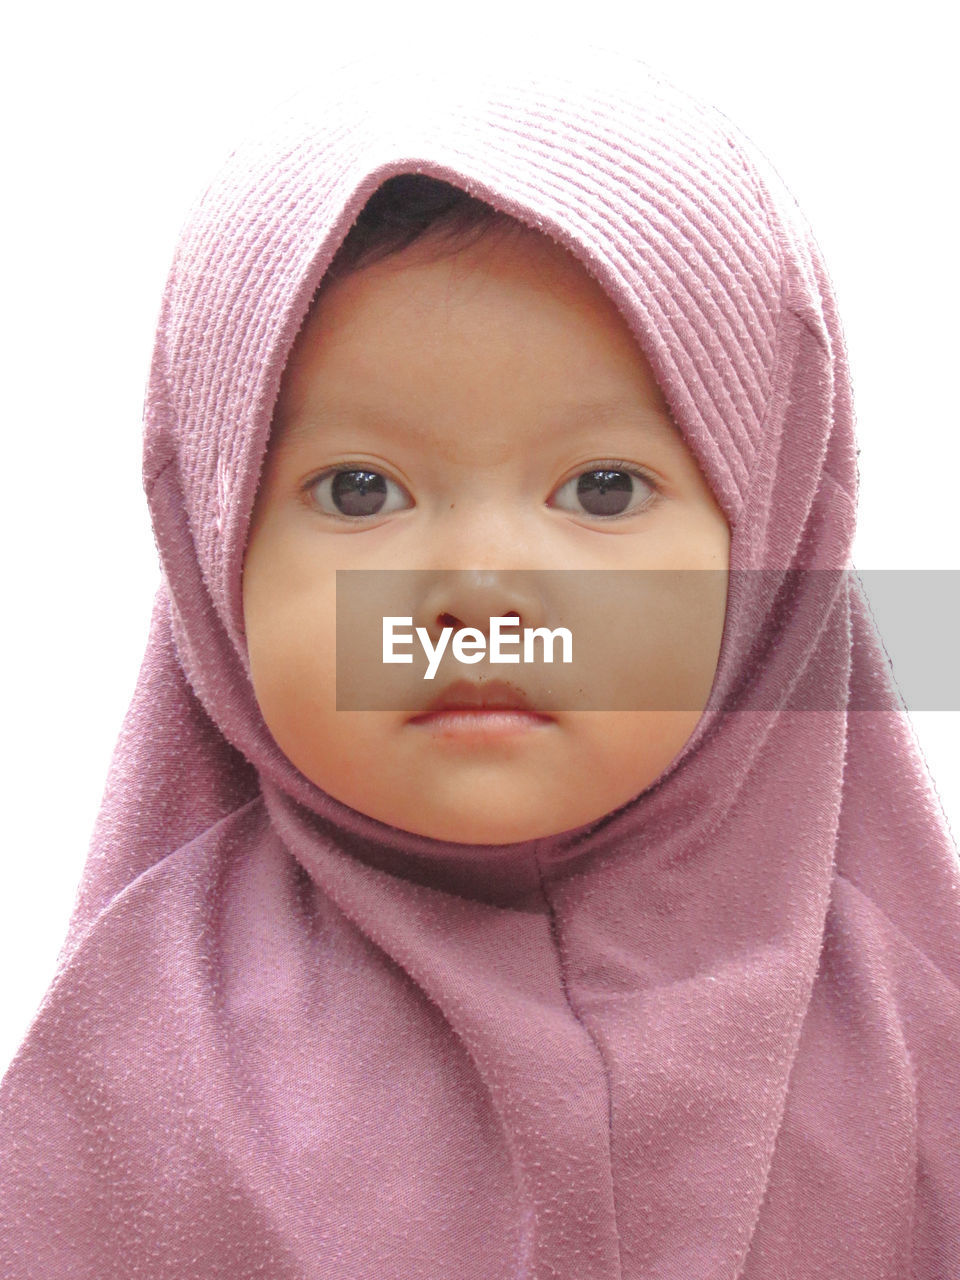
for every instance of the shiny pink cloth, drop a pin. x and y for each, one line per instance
(714, 1034)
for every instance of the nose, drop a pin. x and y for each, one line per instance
(461, 598)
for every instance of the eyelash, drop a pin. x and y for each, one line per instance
(606, 464)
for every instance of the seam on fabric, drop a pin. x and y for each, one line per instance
(762, 433)
(848, 620)
(159, 364)
(555, 936)
(895, 928)
(804, 318)
(840, 488)
(151, 483)
(775, 229)
(130, 885)
(788, 275)
(910, 1064)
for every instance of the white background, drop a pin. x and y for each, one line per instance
(116, 117)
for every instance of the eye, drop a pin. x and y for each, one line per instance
(610, 489)
(355, 492)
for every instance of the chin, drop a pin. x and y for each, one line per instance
(458, 830)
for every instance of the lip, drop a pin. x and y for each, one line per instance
(476, 713)
(477, 700)
(479, 727)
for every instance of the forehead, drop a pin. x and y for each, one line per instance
(505, 322)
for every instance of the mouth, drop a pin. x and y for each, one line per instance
(490, 709)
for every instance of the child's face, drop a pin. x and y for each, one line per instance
(461, 379)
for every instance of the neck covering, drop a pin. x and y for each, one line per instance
(714, 1033)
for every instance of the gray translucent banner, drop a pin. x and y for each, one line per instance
(642, 640)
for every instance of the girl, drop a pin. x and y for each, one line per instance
(531, 992)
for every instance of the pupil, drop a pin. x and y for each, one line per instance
(359, 493)
(605, 493)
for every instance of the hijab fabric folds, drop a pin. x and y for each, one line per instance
(714, 1034)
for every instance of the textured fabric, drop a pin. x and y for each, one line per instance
(715, 1033)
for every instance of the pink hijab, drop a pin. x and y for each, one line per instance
(715, 1033)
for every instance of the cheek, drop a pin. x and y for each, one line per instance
(294, 679)
(647, 640)
(660, 675)
(290, 623)
(623, 752)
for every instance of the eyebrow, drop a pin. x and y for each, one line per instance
(571, 417)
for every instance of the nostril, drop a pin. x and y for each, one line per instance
(448, 620)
